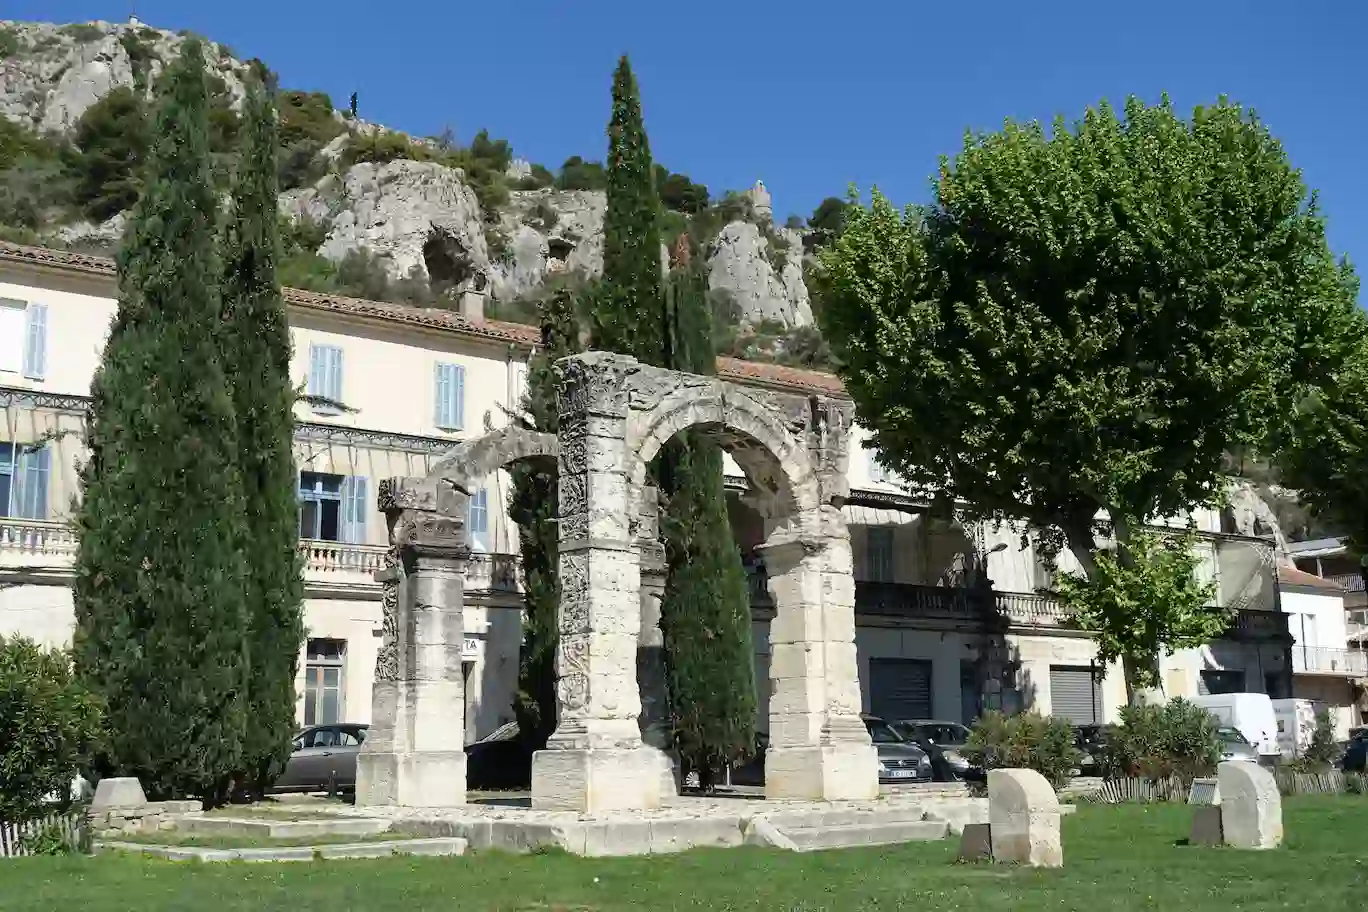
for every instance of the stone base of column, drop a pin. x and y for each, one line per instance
(668, 762)
(414, 779)
(828, 772)
(590, 780)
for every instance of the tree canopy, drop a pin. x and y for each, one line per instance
(1085, 321)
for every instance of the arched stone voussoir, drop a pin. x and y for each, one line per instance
(772, 456)
(486, 454)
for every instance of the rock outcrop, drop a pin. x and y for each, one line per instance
(61, 70)
(419, 218)
(743, 263)
(422, 220)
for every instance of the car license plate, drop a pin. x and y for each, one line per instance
(902, 774)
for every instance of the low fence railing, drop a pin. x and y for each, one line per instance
(68, 828)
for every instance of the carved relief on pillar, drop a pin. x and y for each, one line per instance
(595, 383)
(572, 675)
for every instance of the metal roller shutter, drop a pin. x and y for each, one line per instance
(900, 688)
(1075, 695)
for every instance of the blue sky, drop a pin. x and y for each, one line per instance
(807, 96)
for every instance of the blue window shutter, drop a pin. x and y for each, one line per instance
(442, 411)
(354, 510)
(317, 370)
(35, 341)
(458, 396)
(335, 375)
(32, 470)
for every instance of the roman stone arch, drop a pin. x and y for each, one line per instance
(615, 414)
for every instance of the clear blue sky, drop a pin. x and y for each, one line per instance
(807, 96)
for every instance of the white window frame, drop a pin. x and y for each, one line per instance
(880, 565)
(477, 520)
(14, 341)
(448, 391)
(325, 376)
(315, 689)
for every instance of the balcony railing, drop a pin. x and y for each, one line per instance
(36, 543)
(1352, 582)
(1251, 624)
(909, 600)
(30, 544)
(1328, 660)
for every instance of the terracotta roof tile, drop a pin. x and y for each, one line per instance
(777, 376)
(1295, 577)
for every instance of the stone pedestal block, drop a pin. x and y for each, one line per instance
(423, 778)
(1023, 813)
(118, 791)
(826, 772)
(594, 780)
(1206, 826)
(1251, 808)
(976, 842)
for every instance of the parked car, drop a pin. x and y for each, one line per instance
(1355, 758)
(1235, 746)
(1251, 713)
(1091, 742)
(942, 742)
(899, 760)
(323, 756)
(499, 761)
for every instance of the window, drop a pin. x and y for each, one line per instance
(517, 385)
(333, 507)
(877, 472)
(24, 472)
(450, 397)
(323, 687)
(325, 374)
(13, 315)
(478, 521)
(320, 506)
(879, 554)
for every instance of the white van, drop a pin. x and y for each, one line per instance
(1250, 713)
(1296, 720)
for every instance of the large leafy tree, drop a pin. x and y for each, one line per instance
(705, 612)
(533, 506)
(256, 361)
(628, 316)
(1323, 450)
(1085, 321)
(110, 148)
(160, 616)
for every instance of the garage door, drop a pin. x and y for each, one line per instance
(900, 688)
(1075, 695)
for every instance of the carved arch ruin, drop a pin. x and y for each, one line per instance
(615, 414)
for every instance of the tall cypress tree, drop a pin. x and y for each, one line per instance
(628, 317)
(160, 616)
(705, 614)
(533, 506)
(256, 361)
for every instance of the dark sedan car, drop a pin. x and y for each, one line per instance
(1356, 754)
(900, 761)
(943, 743)
(323, 757)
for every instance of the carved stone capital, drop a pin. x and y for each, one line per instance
(430, 495)
(435, 536)
(594, 383)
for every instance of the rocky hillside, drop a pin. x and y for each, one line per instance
(373, 212)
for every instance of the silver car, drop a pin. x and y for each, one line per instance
(323, 757)
(1234, 746)
(899, 760)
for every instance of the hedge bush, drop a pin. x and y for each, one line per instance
(1173, 740)
(1024, 741)
(51, 726)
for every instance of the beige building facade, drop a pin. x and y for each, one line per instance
(389, 389)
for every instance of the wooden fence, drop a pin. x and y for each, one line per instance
(1145, 791)
(71, 826)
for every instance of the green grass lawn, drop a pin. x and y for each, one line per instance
(1115, 858)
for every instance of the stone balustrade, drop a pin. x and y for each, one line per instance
(46, 546)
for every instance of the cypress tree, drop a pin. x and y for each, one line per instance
(256, 361)
(533, 506)
(705, 614)
(158, 594)
(628, 316)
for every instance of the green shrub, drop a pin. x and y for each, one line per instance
(540, 178)
(111, 145)
(82, 32)
(51, 724)
(1323, 750)
(9, 43)
(307, 116)
(140, 56)
(1024, 741)
(383, 146)
(1174, 740)
(578, 174)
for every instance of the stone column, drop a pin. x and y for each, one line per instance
(414, 753)
(819, 748)
(651, 683)
(596, 761)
